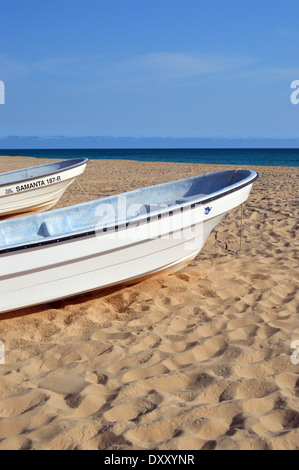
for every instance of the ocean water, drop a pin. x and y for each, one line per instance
(252, 157)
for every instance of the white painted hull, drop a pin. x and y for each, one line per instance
(35, 275)
(36, 194)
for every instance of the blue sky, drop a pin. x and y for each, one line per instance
(165, 68)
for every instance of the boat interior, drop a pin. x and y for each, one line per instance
(24, 174)
(120, 208)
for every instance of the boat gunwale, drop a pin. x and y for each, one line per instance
(80, 161)
(144, 218)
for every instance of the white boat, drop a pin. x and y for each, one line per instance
(115, 240)
(37, 188)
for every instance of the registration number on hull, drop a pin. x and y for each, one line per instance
(31, 185)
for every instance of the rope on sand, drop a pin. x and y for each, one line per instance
(241, 229)
(83, 190)
(226, 248)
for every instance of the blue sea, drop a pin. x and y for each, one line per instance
(252, 157)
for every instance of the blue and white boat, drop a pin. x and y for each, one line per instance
(114, 240)
(37, 188)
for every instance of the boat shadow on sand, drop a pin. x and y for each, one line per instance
(60, 304)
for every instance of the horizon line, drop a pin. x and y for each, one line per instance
(32, 136)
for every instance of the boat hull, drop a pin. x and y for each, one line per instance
(35, 275)
(36, 194)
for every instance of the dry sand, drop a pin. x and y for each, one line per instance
(200, 359)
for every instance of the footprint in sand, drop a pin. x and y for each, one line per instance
(129, 410)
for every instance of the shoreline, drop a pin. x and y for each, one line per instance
(199, 359)
(173, 155)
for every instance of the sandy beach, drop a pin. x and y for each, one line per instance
(197, 360)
